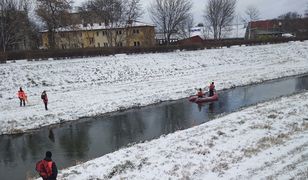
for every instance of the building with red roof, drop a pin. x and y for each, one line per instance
(276, 28)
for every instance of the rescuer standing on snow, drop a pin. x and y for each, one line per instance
(22, 97)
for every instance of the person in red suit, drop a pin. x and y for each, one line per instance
(211, 89)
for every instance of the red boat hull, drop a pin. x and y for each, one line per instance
(196, 99)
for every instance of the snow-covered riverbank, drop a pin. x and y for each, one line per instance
(266, 141)
(87, 87)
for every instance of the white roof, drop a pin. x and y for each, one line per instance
(98, 26)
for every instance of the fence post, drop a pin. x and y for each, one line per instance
(3, 58)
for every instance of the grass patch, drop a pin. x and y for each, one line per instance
(221, 167)
(272, 116)
(120, 168)
(261, 126)
(265, 143)
(249, 152)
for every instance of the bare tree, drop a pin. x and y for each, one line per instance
(170, 15)
(251, 14)
(132, 10)
(115, 14)
(54, 14)
(14, 23)
(306, 11)
(289, 16)
(293, 23)
(219, 14)
(185, 26)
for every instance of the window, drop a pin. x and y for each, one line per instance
(135, 31)
(97, 33)
(119, 32)
(105, 44)
(136, 43)
(119, 44)
(98, 45)
(91, 40)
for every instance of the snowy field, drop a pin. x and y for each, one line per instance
(266, 141)
(88, 87)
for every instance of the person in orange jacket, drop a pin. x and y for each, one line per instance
(47, 168)
(22, 97)
(200, 93)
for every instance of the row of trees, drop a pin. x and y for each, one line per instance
(50, 15)
(114, 13)
(169, 16)
(15, 23)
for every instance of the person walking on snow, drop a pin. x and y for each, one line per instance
(45, 99)
(22, 97)
(211, 89)
(47, 168)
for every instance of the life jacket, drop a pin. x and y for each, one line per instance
(212, 87)
(44, 168)
(200, 94)
(21, 95)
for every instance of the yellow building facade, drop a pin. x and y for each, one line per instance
(97, 35)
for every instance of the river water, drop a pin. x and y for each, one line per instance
(93, 137)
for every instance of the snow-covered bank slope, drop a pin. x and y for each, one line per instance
(87, 87)
(267, 141)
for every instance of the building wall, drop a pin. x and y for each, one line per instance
(195, 40)
(69, 40)
(88, 39)
(45, 43)
(141, 37)
(100, 38)
(133, 36)
(276, 27)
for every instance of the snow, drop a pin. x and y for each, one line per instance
(287, 35)
(266, 141)
(92, 86)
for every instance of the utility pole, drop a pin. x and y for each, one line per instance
(249, 29)
(237, 26)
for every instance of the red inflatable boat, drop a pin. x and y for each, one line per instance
(204, 99)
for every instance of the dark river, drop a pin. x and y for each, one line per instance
(93, 137)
